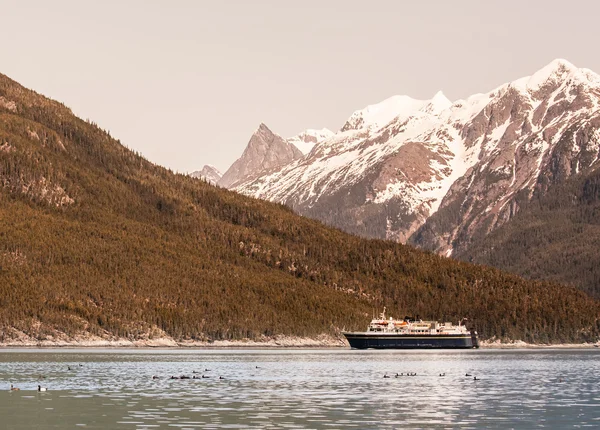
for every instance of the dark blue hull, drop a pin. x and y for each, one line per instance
(410, 341)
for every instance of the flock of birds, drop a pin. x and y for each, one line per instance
(197, 375)
(398, 375)
(201, 376)
(39, 387)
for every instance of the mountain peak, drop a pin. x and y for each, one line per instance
(265, 151)
(440, 96)
(308, 138)
(262, 127)
(556, 69)
(560, 63)
(379, 114)
(208, 173)
(556, 72)
(437, 104)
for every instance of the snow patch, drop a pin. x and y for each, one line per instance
(437, 104)
(399, 189)
(307, 139)
(378, 115)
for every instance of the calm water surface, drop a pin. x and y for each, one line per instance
(114, 389)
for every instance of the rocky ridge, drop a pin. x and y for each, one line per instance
(266, 152)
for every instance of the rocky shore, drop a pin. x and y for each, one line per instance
(322, 341)
(497, 344)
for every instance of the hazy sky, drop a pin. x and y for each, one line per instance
(187, 82)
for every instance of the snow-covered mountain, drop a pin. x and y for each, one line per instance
(530, 134)
(380, 114)
(438, 173)
(208, 173)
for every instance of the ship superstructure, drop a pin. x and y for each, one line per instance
(412, 333)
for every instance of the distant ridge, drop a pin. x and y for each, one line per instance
(208, 173)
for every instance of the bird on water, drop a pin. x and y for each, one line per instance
(40, 388)
(13, 388)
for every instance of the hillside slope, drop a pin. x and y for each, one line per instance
(554, 237)
(96, 240)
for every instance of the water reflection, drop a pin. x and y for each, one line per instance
(300, 389)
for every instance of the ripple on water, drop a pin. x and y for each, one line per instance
(302, 389)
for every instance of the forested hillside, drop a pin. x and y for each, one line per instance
(555, 237)
(95, 239)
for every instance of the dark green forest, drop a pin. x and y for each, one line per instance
(96, 239)
(555, 237)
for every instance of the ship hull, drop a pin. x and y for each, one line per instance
(410, 341)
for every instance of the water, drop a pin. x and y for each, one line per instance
(114, 389)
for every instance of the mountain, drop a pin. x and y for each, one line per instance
(97, 242)
(443, 175)
(306, 140)
(379, 115)
(266, 152)
(368, 180)
(531, 134)
(208, 173)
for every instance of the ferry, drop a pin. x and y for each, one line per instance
(412, 333)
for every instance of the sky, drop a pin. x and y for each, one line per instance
(186, 83)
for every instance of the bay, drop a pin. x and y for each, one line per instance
(296, 388)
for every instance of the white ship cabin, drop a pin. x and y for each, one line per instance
(407, 326)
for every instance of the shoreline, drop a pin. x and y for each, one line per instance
(278, 342)
(324, 341)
